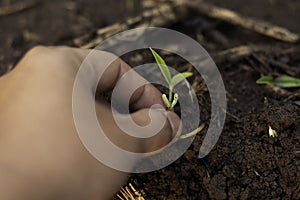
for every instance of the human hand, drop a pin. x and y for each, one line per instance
(41, 156)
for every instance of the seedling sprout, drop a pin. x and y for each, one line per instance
(272, 132)
(172, 81)
(282, 81)
(171, 101)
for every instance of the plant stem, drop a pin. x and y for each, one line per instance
(170, 94)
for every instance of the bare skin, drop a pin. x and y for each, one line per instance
(41, 156)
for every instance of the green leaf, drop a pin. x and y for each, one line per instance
(162, 66)
(180, 77)
(287, 82)
(283, 81)
(265, 80)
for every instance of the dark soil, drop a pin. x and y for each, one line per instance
(246, 163)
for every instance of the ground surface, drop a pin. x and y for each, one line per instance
(246, 163)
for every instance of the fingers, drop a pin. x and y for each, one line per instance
(114, 132)
(112, 71)
(167, 132)
(143, 97)
(97, 64)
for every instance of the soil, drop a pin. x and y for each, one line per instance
(246, 163)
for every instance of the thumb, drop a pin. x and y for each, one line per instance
(142, 118)
(167, 132)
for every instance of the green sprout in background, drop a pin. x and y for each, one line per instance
(172, 81)
(282, 81)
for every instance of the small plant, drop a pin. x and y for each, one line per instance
(272, 132)
(282, 81)
(172, 81)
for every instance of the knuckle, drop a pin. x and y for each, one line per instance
(36, 51)
(40, 56)
(48, 52)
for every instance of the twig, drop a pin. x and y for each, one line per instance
(240, 52)
(292, 96)
(164, 15)
(17, 7)
(194, 132)
(260, 58)
(237, 53)
(234, 117)
(234, 18)
(286, 68)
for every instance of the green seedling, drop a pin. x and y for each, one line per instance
(171, 101)
(282, 81)
(172, 81)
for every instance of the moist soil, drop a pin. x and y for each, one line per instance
(246, 163)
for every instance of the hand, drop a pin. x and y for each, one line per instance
(41, 155)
